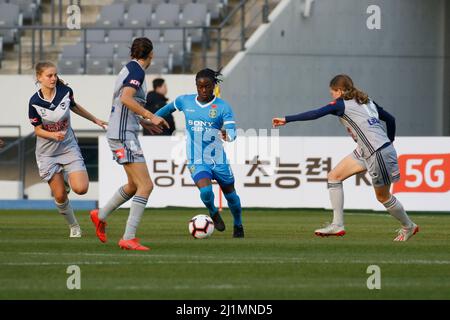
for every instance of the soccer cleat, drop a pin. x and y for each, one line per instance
(330, 230)
(238, 232)
(132, 244)
(405, 233)
(219, 225)
(99, 225)
(75, 231)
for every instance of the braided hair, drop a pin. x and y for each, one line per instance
(210, 74)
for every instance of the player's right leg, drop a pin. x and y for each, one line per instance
(62, 202)
(347, 167)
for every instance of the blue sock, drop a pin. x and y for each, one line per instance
(207, 196)
(234, 203)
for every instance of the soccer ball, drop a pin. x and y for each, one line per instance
(201, 226)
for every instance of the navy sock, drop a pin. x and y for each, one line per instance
(234, 203)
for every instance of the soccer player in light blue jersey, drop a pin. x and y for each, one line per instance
(209, 120)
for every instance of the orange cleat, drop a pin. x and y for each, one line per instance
(99, 225)
(132, 244)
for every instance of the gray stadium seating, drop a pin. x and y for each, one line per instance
(70, 66)
(95, 36)
(166, 15)
(11, 17)
(214, 7)
(139, 15)
(153, 34)
(101, 50)
(73, 51)
(195, 15)
(27, 8)
(100, 58)
(116, 36)
(111, 15)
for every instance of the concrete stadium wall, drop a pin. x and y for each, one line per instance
(288, 64)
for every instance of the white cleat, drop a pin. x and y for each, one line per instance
(75, 231)
(330, 230)
(405, 233)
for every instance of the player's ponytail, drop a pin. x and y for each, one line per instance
(345, 83)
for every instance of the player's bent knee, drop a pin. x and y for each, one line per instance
(83, 189)
(60, 197)
(332, 176)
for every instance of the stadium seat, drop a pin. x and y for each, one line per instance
(126, 3)
(153, 34)
(123, 52)
(174, 38)
(139, 15)
(195, 15)
(116, 36)
(101, 50)
(94, 36)
(27, 8)
(73, 51)
(166, 15)
(99, 66)
(214, 7)
(10, 17)
(111, 15)
(70, 66)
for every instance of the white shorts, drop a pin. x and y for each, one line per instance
(381, 165)
(68, 162)
(126, 151)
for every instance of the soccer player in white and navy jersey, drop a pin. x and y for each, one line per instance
(127, 114)
(209, 122)
(57, 150)
(375, 152)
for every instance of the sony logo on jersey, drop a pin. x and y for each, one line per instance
(200, 123)
(135, 82)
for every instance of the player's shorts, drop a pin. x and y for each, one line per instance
(126, 151)
(222, 173)
(69, 162)
(382, 165)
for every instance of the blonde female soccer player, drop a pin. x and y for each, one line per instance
(126, 114)
(375, 152)
(57, 150)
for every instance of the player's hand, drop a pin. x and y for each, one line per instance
(158, 121)
(59, 135)
(223, 135)
(278, 122)
(101, 123)
(151, 128)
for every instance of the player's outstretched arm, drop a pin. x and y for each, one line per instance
(128, 101)
(166, 110)
(41, 132)
(82, 112)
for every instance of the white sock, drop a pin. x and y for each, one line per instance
(336, 192)
(119, 198)
(395, 208)
(136, 211)
(67, 211)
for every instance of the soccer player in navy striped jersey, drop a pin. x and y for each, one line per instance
(375, 152)
(127, 114)
(209, 120)
(57, 150)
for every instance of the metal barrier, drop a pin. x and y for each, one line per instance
(211, 35)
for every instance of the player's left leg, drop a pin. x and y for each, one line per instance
(223, 174)
(384, 170)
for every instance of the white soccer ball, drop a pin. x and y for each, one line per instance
(201, 226)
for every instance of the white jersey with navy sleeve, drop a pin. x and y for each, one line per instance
(123, 123)
(203, 125)
(54, 116)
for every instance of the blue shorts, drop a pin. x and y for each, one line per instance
(222, 173)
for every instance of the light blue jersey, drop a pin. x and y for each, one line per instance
(205, 153)
(203, 125)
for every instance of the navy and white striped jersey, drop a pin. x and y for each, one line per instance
(54, 116)
(123, 123)
(361, 120)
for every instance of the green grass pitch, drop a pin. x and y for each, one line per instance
(280, 258)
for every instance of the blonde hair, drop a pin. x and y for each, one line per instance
(42, 65)
(345, 83)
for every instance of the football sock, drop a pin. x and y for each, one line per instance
(336, 192)
(119, 198)
(395, 208)
(234, 203)
(67, 211)
(136, 211)
(207, 196)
